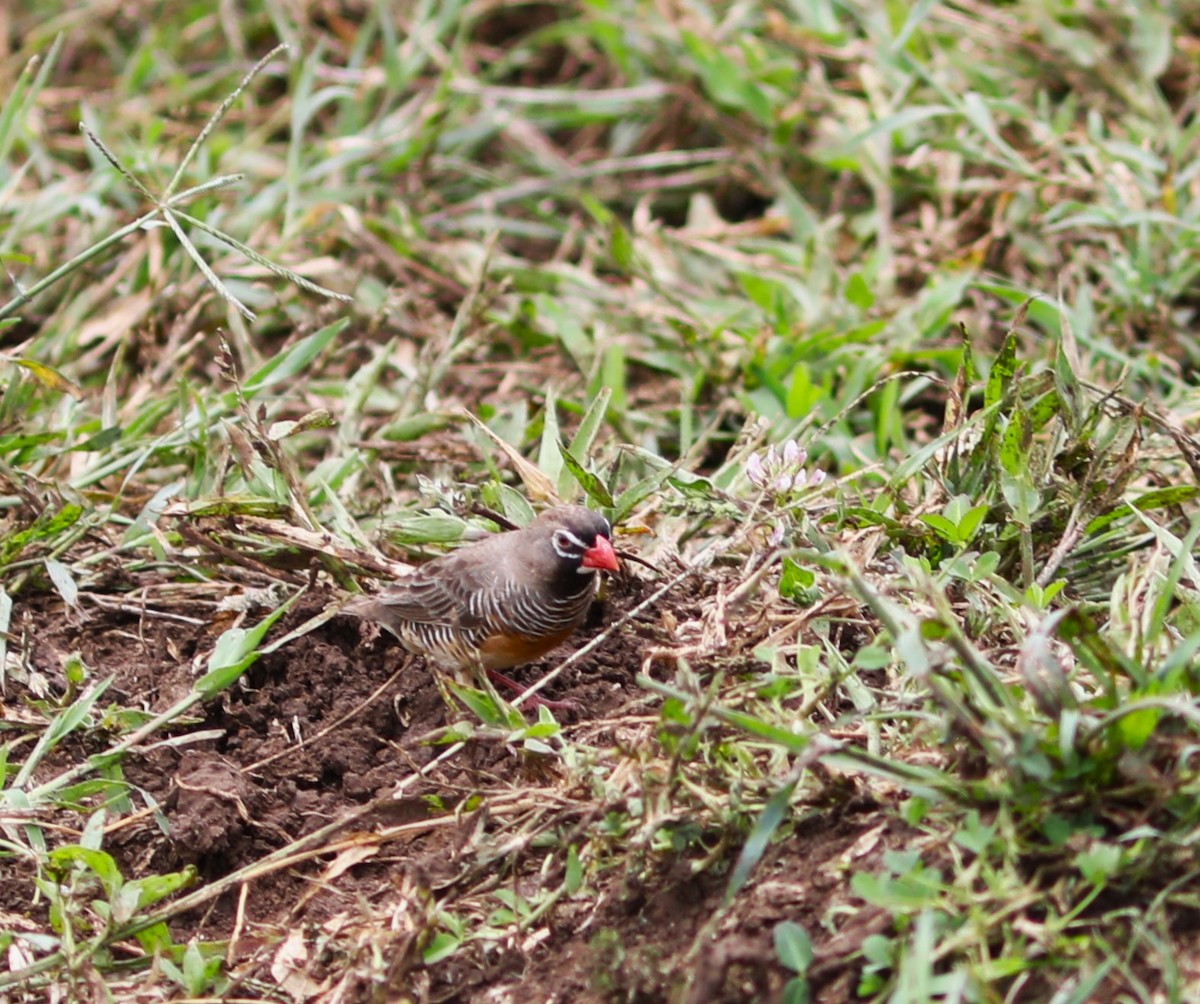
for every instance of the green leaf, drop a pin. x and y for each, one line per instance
(986, 563)
(441, 946)
(1014, 446)
(102, 864)
(47, 528)
(63, 725)
(49, 377)
(796, 991)
(1100, 862)
(1152, 39)
(776, 810)
(872, 657)
(560, 322)
(793, 946)
(913, 890)
(574, 871)
(1021, 497)
(621, 244)
(413, 427)
(155, 939)
(944, 528)
(154, 888)
(638, 492)
(796, 583)
(549, 462)
(198, 971)
(6, 609)
(229, 505)
(900, 121)
(978, 111)
(974, 834)
(482, 705)
(293, 361)
(22, 93)
(1155, 498)
(101, 441)
(1004, 366)
(236, 650)
(589, 482)
(727, 81)
(591, 423)
(1136, 727)
(802, 393)
(425, 528)
(970, 523)
(318, 418)
(1044, 408)
(614, 377)
(859, 293)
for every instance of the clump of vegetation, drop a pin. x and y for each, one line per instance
(869, 329)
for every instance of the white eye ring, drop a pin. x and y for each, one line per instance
(567, 545)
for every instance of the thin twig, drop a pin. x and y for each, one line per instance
(366, 702)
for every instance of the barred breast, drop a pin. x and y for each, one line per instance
(499, 629)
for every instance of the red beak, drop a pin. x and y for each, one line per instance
(601, 555)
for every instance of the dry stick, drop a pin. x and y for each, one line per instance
(331, 726)
(701, 562)
(104, 603)
(193, 535)
(595, 643)
(239, 922)
(479, 509)
(308, 847)
(1072, 534)
(177, 709)
(294, 852)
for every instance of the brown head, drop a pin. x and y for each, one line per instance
(580, 542)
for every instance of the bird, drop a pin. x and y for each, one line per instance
(503, 601)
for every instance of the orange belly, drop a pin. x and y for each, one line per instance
(506, 651)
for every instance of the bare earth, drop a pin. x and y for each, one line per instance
(366, 712)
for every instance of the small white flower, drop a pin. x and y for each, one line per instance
(755, 470)
(781, 473)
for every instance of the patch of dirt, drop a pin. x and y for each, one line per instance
(332, 723)
(674, 923)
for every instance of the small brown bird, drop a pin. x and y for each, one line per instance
(503, 601)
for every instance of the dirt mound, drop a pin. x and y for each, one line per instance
(334, 723)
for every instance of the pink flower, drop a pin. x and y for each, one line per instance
(781, 473)
(756, 471)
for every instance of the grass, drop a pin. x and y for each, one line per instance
(273, 331)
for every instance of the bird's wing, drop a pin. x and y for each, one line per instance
(448, 590)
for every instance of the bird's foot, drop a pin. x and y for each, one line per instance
(534, 701)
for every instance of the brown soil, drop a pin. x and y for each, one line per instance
(491, 819)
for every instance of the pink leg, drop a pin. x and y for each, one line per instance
(536, 701)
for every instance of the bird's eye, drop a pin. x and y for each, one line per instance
(567, 545)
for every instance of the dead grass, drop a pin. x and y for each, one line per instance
(920, 731)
